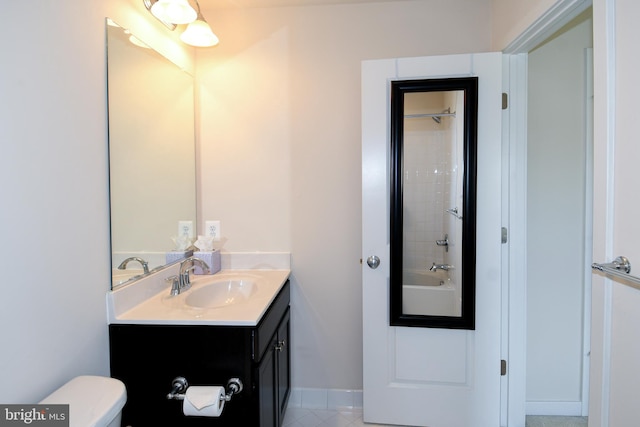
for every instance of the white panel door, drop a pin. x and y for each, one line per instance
(426, 376)
(615, 331)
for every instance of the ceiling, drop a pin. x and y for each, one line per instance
(245, 4)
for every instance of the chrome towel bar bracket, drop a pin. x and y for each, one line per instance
(621, 263)
(620, 268)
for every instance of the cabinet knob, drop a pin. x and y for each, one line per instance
(280, 345)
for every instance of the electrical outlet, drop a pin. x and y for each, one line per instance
(185, 228)
(212, 229)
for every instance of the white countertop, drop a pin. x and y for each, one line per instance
(148, 301)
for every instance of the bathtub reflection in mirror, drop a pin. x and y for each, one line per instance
(433, 170)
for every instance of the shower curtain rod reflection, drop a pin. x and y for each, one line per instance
(418, 116)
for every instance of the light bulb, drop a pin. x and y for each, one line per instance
(199, 34)
(174, 11)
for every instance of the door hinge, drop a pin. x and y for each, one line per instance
(503, 367)
(505, 101)
(505, 235)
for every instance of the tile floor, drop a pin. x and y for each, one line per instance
(555, 421)
(302, 417)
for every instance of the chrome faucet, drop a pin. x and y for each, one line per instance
(145, 264)
(175, 285)
(445, 267)
(184, 281)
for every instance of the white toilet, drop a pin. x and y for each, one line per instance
(93, 401)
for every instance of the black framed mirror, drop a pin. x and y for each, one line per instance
(433, 148)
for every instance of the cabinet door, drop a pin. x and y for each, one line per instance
(267, 389)
(284, 366)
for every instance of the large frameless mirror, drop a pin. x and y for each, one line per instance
(151, 153)
(433, 202)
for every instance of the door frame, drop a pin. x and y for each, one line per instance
(514, 209)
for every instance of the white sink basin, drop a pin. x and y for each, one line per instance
(221, 293)
(227, 298)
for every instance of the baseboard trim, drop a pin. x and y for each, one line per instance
(573, 409)
(322, 398)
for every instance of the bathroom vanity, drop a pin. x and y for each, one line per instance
(160, 339)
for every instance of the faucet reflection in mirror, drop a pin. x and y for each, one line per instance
(174, 12)
(143, 263)
(151, 153)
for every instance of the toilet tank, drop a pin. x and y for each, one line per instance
(93, 401)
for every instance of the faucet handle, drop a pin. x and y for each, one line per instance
(444, 242)
(175, 284)
(185, 278)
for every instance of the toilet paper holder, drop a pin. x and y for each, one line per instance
(179, 386)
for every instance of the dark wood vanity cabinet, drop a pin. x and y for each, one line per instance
(274, 372)
(148, 357)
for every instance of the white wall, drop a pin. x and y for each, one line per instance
(511, 17)
(280, 154)
(556, 216)
(54, 218)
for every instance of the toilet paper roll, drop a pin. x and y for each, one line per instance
(203, 401)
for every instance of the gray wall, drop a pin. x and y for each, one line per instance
(556, 162)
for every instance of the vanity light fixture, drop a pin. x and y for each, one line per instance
(177, 12)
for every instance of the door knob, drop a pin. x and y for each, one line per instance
(373, 262)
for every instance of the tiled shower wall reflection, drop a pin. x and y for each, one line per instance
(426, 192)
(432, 183)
